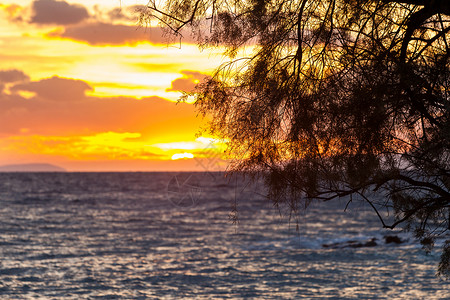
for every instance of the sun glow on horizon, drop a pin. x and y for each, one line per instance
(81, 84)
(185, 155)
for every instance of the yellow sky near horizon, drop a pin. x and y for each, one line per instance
(84, 87)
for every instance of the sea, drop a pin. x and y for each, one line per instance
(197, 236)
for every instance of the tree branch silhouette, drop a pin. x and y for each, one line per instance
(336, 98)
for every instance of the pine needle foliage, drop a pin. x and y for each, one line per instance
(332, 98)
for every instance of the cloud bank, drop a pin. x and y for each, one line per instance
(60, 106)
(99, 34)
(115, 27)
(57, 12)
(9, 76)
(56, 88)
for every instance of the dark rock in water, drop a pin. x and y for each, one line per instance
(370, 243)
(352, 244)
(388, 239)
(393, 239)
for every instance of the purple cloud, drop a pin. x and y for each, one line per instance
(111, 34)
(8, 76)
(57, 12)
(56, 88)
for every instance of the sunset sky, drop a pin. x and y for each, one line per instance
(85, 88)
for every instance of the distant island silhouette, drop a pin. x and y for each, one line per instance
(36, 167)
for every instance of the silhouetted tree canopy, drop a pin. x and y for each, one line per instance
(330, 98)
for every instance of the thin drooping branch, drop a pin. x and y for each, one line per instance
(335, 98)
(182, 23)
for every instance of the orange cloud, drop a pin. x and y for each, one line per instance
(14, 12)
(60, 106)
(104, 146)
(110, 151)
(107, 107)
(187, 83)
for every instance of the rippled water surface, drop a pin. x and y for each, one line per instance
(169, 236)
